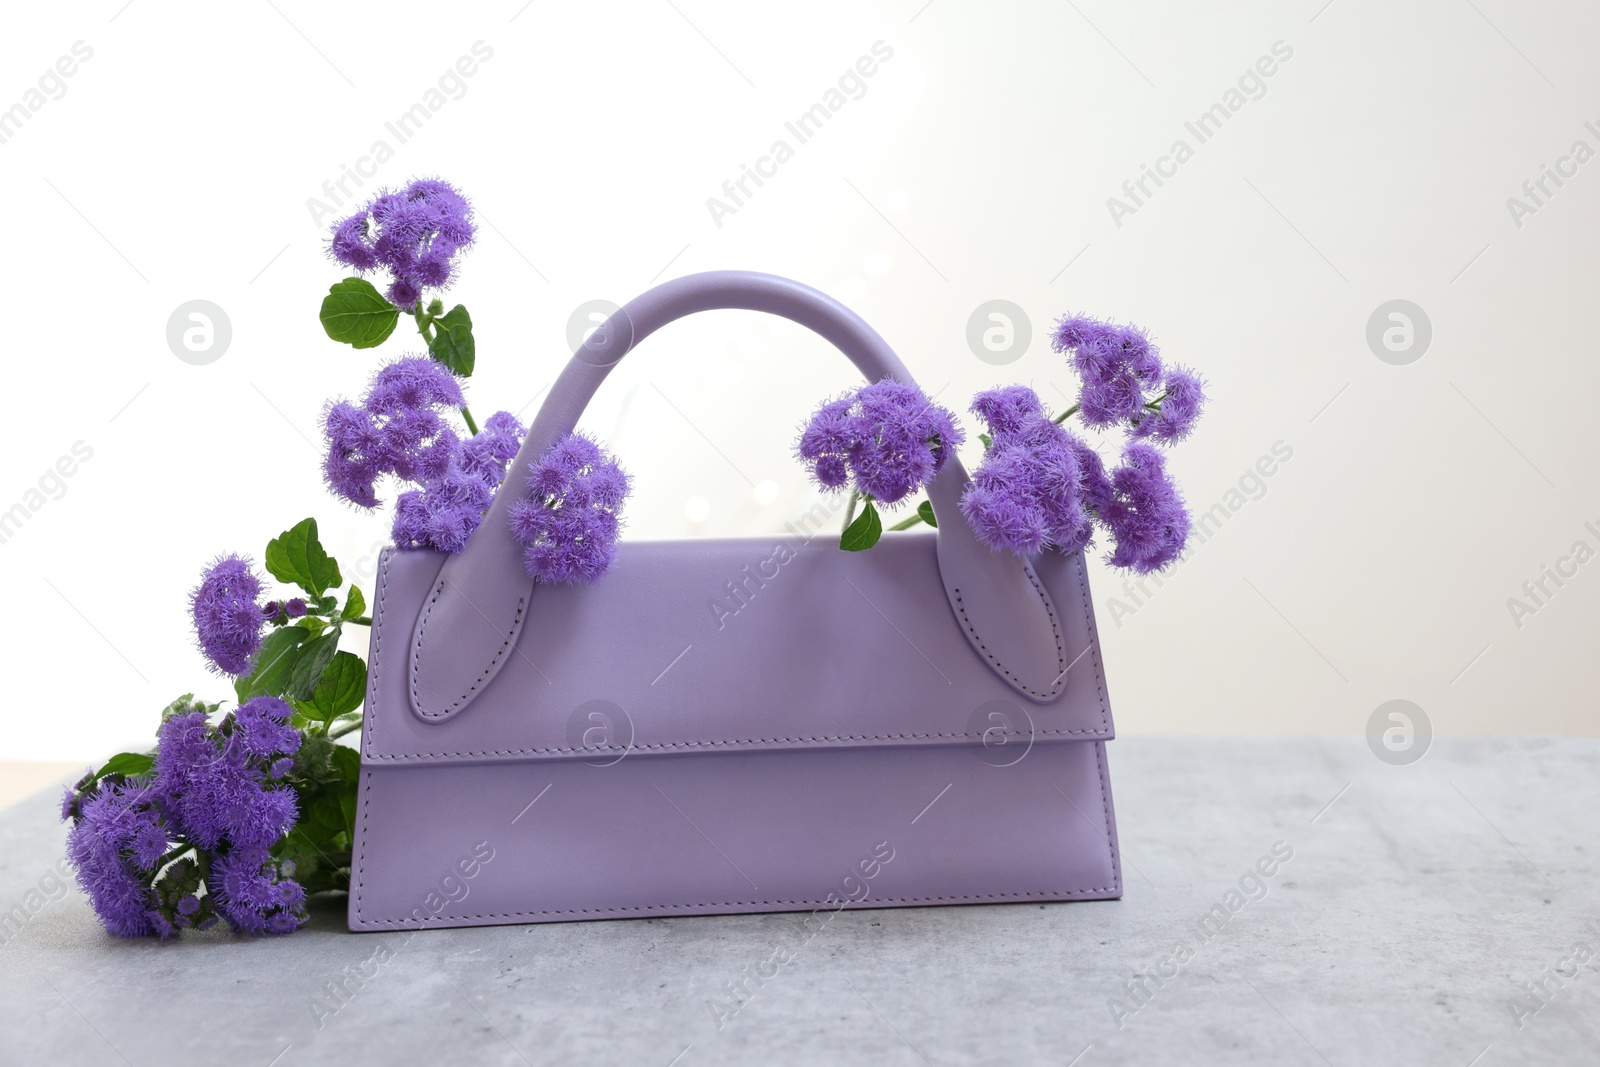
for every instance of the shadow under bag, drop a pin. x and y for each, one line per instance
(730, 725)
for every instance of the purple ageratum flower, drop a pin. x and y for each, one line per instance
(1177, 409)
(1028, 493)
(415, 383)
(826, 441)
(568, 529)
(227, 615)
(255, 894)
(1146, 515)
(209, 783)
(1118, 364)
(443, 514)
(399, 429)
(486, 454)
(415, 234)
(114, 846)
(888, 435)
(262, 730)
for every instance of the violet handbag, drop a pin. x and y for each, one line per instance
(736, 725)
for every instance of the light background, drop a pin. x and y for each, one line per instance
(1377, 564)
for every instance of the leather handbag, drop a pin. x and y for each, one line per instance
(723, 726)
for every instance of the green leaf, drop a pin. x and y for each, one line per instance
(298, 558)
(324, 605)
(925, 509)
(313, 659)
(357, 314)
(452, 342)
(274, 663)
(355, 605)
(326, 814)
(126, 764)
(987, 441)
(341, 688)
(864, 532)
(346, 763)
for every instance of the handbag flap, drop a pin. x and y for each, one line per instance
(731, 644)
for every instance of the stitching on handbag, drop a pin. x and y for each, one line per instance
(1061, 653)
(1052, 894)
(1105, 813)
(370, 720)
(361, 854)
(601, 751)
(422, 626)
(1094, 640)
(377, 649)
(369, 725)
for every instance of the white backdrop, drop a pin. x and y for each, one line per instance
(1410, 498)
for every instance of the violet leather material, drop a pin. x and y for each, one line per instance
(733, 725)
(729, 832)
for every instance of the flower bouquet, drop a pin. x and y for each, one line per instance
(238, 815)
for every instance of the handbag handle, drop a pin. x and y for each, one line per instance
(474, 613)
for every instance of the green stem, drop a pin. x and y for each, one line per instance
(364, 620)
(347, 728)
(850, 509)
(1150, 405)
(472, 427)
(907, 522)
(424, 322)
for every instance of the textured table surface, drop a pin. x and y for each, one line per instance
(1419, 904)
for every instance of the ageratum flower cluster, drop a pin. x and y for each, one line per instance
(887, 436)
(1040, 486)
(568, 528)
(444, 512)
(189, 842)
(1124, 380)
(1029, 492)
(400, 429)
(228, 616)
(415, 234)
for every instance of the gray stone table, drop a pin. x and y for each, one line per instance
(1422, 909)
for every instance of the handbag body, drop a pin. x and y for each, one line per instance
(723, 726)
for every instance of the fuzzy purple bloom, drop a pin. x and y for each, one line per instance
(443, 513)
(227, 616)
(1146, 515)
(415, 234)
(568, 529)
(1118, 365)
(1041, 487)
(209, 789)
(114, 846)
(210, 784)
(1177, 409)
(1027, 494)
(399, 430)
(888, 435)
(254, 894)
(485, 455)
